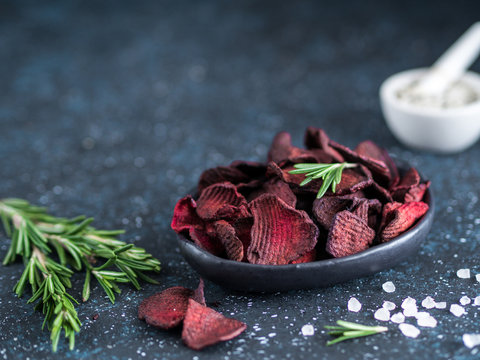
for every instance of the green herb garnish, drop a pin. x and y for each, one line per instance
(331, 174)
(53, 248)
(348, 330)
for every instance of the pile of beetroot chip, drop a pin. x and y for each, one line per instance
(258, 212)
(202, 326)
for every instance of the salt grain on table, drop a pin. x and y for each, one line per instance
(389, 305)
(476, 301)
(441, 305)
(398, 318)
(428, 303)
(409, 330)
(477, 277)
(463, 273)
(465, 300)
(471, 340)
(409, 306)
(422, 315)
(388, 287)
(382, 314)
(428, 321)
(354, 305)
(457, 310)
(308, 330)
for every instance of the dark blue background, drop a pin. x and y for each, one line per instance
(113, 109)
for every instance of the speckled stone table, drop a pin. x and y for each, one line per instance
(114, 109)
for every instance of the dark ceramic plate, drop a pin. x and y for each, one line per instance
(270, 278)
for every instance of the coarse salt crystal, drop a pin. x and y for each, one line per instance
(428, 303)
(463, 273)
(465, 300)
(477, 277)
(441, 305)
(471, 340)
(457, 310)
(398, 318)
(409, 303)
(389, 305)
(382, 314)
(308, 330)
(388, 287)
(422, 315)
(409, 330)
(428, 321)
(354, 305)
(476, 301)
(409, 312)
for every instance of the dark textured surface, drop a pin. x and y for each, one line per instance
(114, 109)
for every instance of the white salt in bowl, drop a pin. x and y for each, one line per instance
(433, 129)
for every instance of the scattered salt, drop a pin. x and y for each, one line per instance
(382, 314)
(388, 287)
(465, 300)
(308, 330)
(409, 306)
(471, 340)
(476, 301)
(354, 305)
(441, 305)
(422, 315)
(428, 303)
(409, 330)
(389, 305)
(477, 277)
(457, 310)
(463, 273)
(428, 321)
(398, 318)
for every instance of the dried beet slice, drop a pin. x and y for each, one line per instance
(369, 149)
(411, 178)
(317, 139)
(199, 293)
(243, 227)
(354, 180)
(387, 213)
(221, 201)
(403, 218)
(282, 149)
(325, 208)
(201, 238)
(416, 193)
(280, 233)
(293, 180)
(185, 216)
(226, 235)
(221, 174)
(378, 168)
(204, 326)
(252, 169)
(276, 187)
(308, 257)
(348, 235)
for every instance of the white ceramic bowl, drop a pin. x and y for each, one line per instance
(439, 130)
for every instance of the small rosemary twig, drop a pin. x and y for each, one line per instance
(347, 330)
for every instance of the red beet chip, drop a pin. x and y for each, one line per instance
(348, 235)
(252, 169)
(221, 174)
(276, 187)
(354, 180)
(416, 193)
(293, 180)
(282, 150)
(370, 149)
(403, 218)
(167, 309)
(201, 238)
(185, 215)
(225, 233)
(221, 201)
(280, 233)
(325, 208)
(317, 139)
(204, 326)
(411, 178)
(308, 257)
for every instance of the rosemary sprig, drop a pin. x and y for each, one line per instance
(53, 248)
(331, 174)
(347, 330)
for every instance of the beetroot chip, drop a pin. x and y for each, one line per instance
(204, 326)
(276, 187)
(354, 180)
(308, 257)
(225, 233)
(221, 201)
(317, 139)
(348, 235)
(403, 218)
(280, 233)
(166, 309)
(252, 169)
(221, 174)
(325, 208)
(416, 193)
(201, 238)
(282, 149)
(411, 178)
(198, 293)
(371, 150)
(293, 180)
(185, 215)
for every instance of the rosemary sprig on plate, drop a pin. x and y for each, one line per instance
(53, 248)
(331, 174)
(347, 330)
